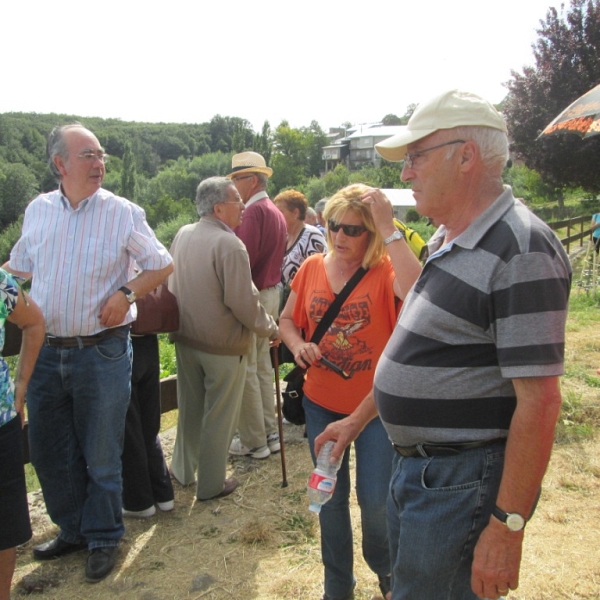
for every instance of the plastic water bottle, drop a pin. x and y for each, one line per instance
(321, 483)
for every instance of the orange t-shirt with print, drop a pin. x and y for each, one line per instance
(355, 339)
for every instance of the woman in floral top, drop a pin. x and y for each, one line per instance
(15, 528)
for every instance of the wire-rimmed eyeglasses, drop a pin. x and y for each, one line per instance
(91, 156)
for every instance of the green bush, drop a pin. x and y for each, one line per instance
(8, 238)
(166, 232)
(168, 363)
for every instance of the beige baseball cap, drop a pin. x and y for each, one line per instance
(450, 109)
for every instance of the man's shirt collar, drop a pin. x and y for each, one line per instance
(258, 196)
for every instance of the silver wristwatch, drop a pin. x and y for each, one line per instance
(514, 521)
(397, 235)
(129, 294)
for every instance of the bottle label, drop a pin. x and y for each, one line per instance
(323, 483)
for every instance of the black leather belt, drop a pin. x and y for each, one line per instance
(442, 449)
(83, 341)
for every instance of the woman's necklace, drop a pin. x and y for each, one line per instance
(348, 271)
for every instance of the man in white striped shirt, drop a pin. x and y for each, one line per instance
(79, 244)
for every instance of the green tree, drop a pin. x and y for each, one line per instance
(229, 134)
(164, 209)
(314, 190)
(209, 165)
(528, 185)
(167, 230)
(336, 179)
(288, 161)
(391, 119)
(128, 174)
(567, 64)
(18, 186)
(263, 142)
(410, 109)
(314, 140)
(9, 237)
(297, 155)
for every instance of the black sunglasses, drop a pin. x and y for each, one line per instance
(349, 230)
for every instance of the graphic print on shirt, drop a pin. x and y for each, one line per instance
(342, 344)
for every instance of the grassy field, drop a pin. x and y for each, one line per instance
(262, 543)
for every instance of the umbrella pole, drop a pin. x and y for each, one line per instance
(275, 362)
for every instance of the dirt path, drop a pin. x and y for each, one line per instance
(262, 542)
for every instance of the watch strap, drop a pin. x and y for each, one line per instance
(129, 294)
(504, 517)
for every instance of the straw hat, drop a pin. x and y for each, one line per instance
(249, 162)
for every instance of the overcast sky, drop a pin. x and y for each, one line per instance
(326, 60)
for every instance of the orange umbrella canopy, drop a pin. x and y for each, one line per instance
(581, 117)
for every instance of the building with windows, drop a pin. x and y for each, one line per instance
(355, 147)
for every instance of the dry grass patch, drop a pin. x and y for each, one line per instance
(263, 543)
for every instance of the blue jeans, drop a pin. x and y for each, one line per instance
(437, 510)
(77, 401)
(373, 455)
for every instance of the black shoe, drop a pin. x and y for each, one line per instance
(55, 548)
(100, 563)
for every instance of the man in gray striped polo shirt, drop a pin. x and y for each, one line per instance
(468, 385)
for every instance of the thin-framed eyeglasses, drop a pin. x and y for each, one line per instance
(349, 230)
(411, 157)
(91, 156)
(236, 179)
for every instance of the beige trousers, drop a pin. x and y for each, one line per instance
(209, 395)
(257, 417)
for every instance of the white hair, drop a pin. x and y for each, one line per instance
(492, 144)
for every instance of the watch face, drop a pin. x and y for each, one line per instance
(515, 522)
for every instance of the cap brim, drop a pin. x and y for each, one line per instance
(264, 170)
(394, 148)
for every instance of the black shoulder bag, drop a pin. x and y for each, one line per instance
(292, 408)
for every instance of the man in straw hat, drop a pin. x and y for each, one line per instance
(468, 385)
(263, 231)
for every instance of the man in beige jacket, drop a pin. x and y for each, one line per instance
(219, 309)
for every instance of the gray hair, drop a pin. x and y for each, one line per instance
(320, 205)
(210, 192)
(492, 143)
(57, 146)
(263, 180)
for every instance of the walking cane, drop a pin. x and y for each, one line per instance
(275, 363)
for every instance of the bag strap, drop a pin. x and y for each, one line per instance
(297, 373)
(334, 308)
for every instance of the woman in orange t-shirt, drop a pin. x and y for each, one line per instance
(360, 232)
